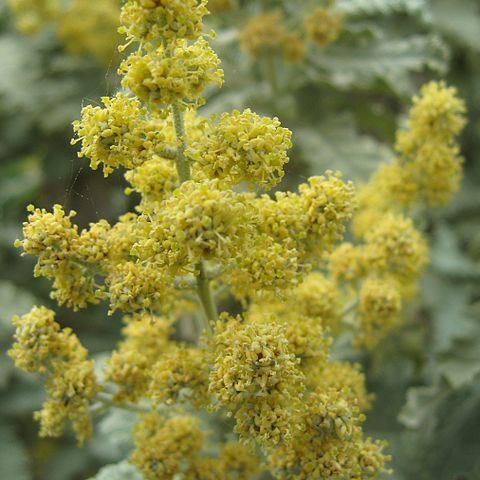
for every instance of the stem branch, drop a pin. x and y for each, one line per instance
(107, 399)
(205, 295)
(183, 168)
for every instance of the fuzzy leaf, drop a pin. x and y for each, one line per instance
(336, 145)
(390, 60)
(119, 471)
(459, 19)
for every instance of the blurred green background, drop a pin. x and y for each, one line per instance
(343, 102)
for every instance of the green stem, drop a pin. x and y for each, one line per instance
(350, 307)
(168, 153)
(183, 168)
(206, 298)
(107, 399)
(272, 72)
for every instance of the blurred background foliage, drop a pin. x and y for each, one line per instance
(343, 100)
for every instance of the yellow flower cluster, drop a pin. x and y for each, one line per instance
(265, 35)
(244, 147)
(59, 247)
(138, 286)
(119, 134)
(256, 377)
(165, 447)
(169, 447)
(269, 369)
(235, 462)
(379, 274)
(154, 180)
(220, 6)
(84, 27)
(378, 309)
(181, 374)
(90, 27)
(153, 21)
(343, 376)
(305, 335)
(328, 203)
(41, 346)
(429, 144)
(251, 360)
(304, 434)
(30, 16)
(129, 367)
(385, 268)
(395, 246)
(428, 169)
(176, 73)
(323, 25)
(329, 443)
(198, 221)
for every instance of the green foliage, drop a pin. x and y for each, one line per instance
(119, 471)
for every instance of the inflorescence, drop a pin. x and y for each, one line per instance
(200, 223)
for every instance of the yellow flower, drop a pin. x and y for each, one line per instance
(244, 147)
(70, 389)
(118, 134)
(41, 346)
(317, 297)
(436, 114)
(396, 247)
(138, 287)
(329, 444)
(305, 335)
(154, 180)
(264, 266)
(342, 376)
(328, 203)
(90, 27)
(377, 311)
(165, 447)
(38, 340)
(219, 6)
(147, 334)
(179, 375)
(151, 20)
(347, 262)
(129, 369)
(198, 221)
(323, 25)
(30, 16)
(251, 360)
(269, 421)
(176, 73)
(265, 35)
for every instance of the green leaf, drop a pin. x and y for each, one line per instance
(459, 19)
(113, 439)
(420, 404)
(119, 471)
(14, 300)
(444, 422)
(336, 145)
(460, 365)
(390, 60)
(449, 260)
(19, 179)
(381, 7)
(14, 461)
